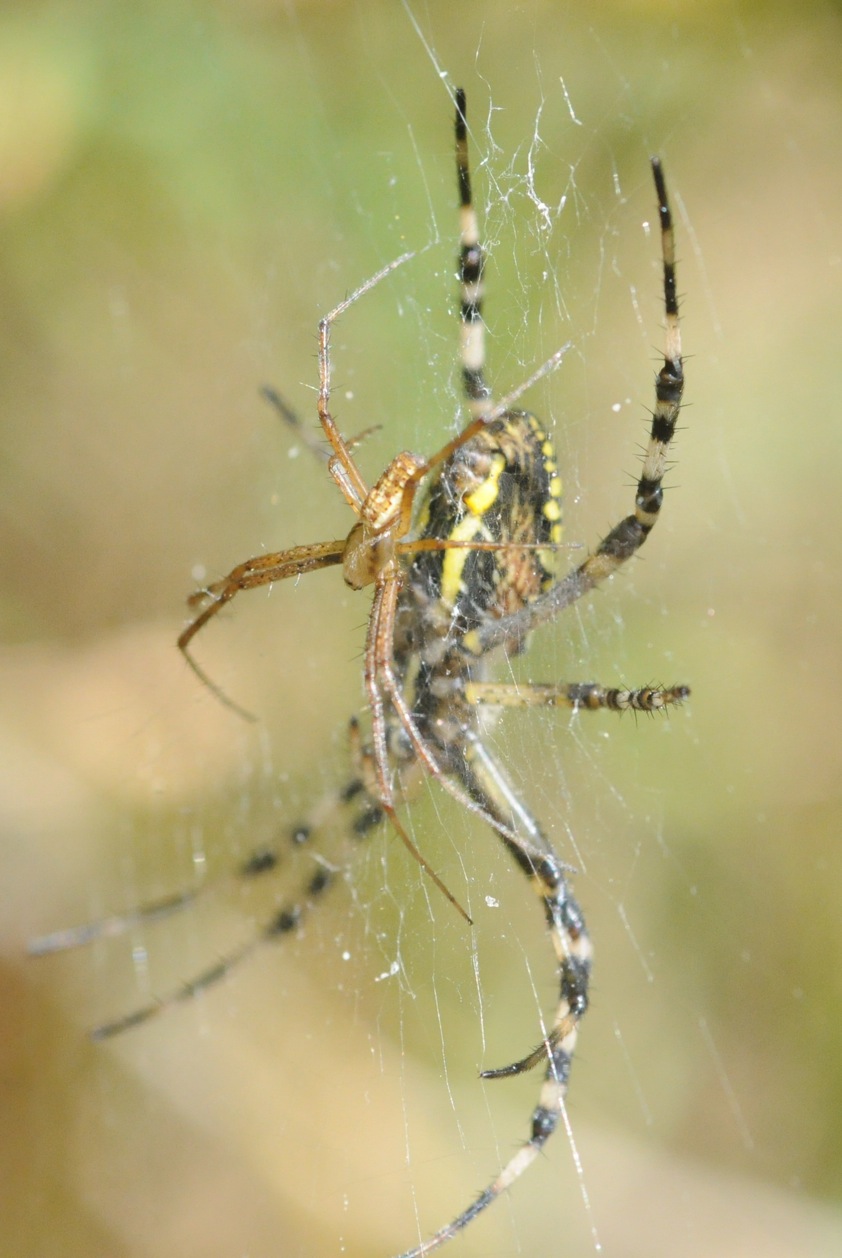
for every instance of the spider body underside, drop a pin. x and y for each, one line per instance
(470, 571)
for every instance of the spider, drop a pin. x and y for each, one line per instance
(473, 569)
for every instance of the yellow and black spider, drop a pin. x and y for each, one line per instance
(467, 573)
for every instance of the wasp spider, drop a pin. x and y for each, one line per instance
(472, 569)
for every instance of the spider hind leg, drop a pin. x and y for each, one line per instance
(353, 808)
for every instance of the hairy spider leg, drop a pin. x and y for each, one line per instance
(261, 570)
(311, 441)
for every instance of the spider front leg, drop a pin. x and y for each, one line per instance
(342, 466)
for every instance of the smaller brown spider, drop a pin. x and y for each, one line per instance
(371, 554)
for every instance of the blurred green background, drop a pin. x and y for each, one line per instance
(185, 189)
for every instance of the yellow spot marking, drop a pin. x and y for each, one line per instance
(453, 563)
(471, 642)
(481, 499)
(551, 510)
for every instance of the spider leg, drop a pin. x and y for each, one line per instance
(113, 925)
(425, 466)
(380, 671)
(350, 488)
(340, 446)
(585, 695)
(471, 261)
(432, 766)
(534, 856)
(449, 543)
(293, 420)
(312, 442)
(365, 814)
(179, 995)
(378, 664)
(471, 267)
(262, 570)
(626, 538)
(261, 861)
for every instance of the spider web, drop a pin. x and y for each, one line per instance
(328, 1092)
